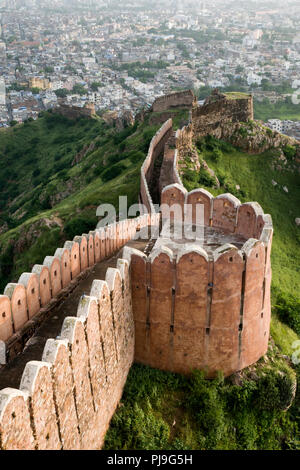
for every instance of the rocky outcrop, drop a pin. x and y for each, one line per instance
(119, 121)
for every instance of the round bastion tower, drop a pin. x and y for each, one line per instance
(204, 303)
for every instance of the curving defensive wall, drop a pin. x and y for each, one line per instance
(67, 398)
(156, 147)
(182, 307)
(197, 307)
(34, 291)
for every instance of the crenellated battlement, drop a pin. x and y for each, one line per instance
(186, 304)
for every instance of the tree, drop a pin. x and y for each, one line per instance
(79, 89)
(95, 86)
(35, 90)
(61, 93)
(49, 69)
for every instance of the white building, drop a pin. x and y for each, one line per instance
(253, 78)
(275, 124)
(2, 92)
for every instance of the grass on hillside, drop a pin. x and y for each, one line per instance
(237, 95)
(109, 170)
(161, 410)
(254, 175)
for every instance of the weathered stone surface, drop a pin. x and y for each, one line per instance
(89, 311)
(15, 427)
(56, 353)
(225, 209)
(200, 197)
(37, 382)
(114, 282)
(73, 331)
(180, 99)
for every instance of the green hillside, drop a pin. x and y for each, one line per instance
(46, 197)
(53, 175)
(249, 177)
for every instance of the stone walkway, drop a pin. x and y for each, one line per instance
(10, 375)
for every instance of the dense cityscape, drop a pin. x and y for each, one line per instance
(150, 228)
(121, 57)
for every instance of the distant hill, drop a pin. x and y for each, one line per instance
(55, 172)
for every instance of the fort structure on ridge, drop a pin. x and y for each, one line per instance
(173, 304)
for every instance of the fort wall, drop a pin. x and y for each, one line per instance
(182, 99)
(196, 309)
(74, 112)
(214, 114)
(66, 400)
(176, 309)
(155, 149)
(34, 292)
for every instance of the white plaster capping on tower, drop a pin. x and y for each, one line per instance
(227, 247)
(98, 288)
(54, 266)
(128, 252)
(249, 245)
(31, 283)
(122, 266)
(191, 248)
(225, 208)
(15, 427)
(163, 250)
(173, 195)
(111, 276)
(85, 304)
(203, 197)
